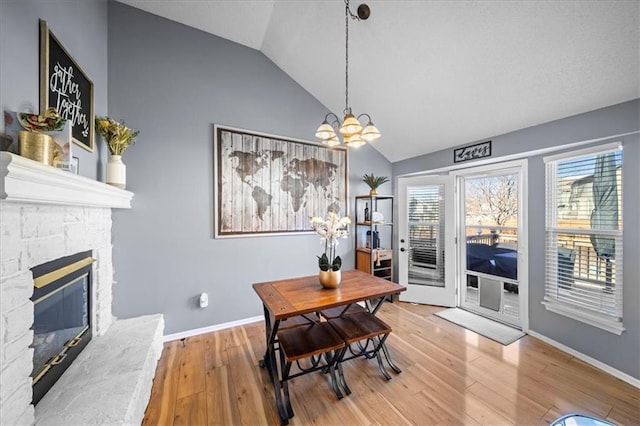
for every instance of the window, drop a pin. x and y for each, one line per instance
(584, 236)
(426, 234)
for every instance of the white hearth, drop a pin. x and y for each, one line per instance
(46, 214)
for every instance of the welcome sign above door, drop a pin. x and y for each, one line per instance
(472, 152)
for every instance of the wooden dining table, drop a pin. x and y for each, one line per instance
(288, 298)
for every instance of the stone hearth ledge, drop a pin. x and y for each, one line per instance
(110, 381)
(26, 181)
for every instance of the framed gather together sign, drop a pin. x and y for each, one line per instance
(64, 86)
(266, 184)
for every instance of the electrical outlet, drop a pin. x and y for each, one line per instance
(204, 300)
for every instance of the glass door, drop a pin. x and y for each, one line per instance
(426, 240)
(490, 254)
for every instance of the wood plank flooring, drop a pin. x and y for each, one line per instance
(450, 376)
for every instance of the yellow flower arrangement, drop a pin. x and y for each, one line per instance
(118, 136)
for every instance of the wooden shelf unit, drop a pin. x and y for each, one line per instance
(374, 240)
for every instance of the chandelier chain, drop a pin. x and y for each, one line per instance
(347, 14)
(346, 55)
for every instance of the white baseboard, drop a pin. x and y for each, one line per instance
(607, 368)
(203, 330)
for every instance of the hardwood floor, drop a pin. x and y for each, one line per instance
(450, 376)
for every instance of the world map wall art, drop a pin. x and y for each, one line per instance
(266, 184)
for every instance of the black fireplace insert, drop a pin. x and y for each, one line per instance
(62, 317)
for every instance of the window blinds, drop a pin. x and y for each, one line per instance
(426, 226)
(583, 252)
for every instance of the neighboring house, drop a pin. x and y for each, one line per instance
(575, 201)
(575, 207)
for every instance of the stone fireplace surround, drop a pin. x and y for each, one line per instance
(46, 214)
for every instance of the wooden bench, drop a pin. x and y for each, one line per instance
(313, 342)
(355, 328)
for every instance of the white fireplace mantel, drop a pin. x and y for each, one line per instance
(46, 214)
(26, 181)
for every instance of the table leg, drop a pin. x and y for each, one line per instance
(269, 361)
(269, 336)
(374, 308)
(286, 368)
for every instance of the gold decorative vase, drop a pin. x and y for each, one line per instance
(37, 147)
(373, 191)
(330, 279)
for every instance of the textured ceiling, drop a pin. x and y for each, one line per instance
(435, 74)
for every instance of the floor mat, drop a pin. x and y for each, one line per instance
(493, 330)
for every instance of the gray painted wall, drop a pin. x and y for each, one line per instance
(621, 352)
(81, 26)
(173, 83)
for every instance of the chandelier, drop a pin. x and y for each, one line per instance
(351, 129)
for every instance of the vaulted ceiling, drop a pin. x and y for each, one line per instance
(436, 74)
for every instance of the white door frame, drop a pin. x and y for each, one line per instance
(523, 240)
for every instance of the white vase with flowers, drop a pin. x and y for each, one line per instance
(118, 137)
(330, 230)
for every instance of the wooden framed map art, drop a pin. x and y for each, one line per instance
(64, 86)
(271, 185)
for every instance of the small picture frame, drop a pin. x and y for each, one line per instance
(75, 165)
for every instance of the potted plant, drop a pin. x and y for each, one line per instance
(374, 182)
(329, 263)
(118, 137)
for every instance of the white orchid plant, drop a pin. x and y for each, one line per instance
(330, 230)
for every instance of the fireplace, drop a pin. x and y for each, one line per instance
(48, 214)
(62, 312)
